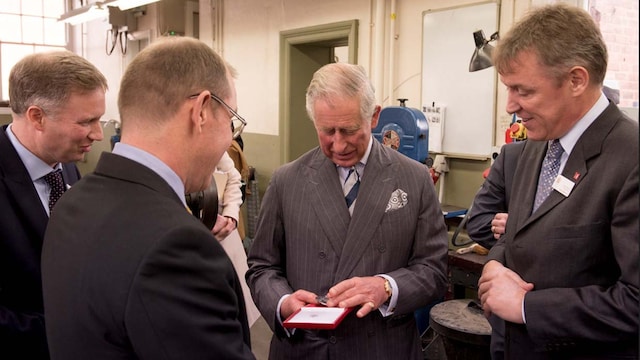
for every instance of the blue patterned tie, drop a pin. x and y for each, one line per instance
(548, 173)
(350, 188)
(54, 179)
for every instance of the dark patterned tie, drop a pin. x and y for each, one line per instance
(54, 179)
(548, 173)
(350, 188)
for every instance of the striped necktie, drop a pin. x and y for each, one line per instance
(350, 188)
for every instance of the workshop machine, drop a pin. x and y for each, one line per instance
(404, 129)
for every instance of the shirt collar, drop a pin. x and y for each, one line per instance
(34, 165)
(569, 140)
(165, 172)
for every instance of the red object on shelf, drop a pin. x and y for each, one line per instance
(515, 132)
(434, 175)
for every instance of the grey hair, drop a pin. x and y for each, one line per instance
(341, 80)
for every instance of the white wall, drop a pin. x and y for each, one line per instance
(250, 42)
(251, 34)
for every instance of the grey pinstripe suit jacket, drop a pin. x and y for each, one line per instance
(305, 239)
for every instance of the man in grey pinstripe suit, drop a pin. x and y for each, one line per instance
(386, 260)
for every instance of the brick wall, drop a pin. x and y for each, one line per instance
(618, 20)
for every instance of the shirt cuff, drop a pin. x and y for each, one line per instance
(286, 331)
(388, 308)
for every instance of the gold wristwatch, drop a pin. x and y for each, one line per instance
(387, 288)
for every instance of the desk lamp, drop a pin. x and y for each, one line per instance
(481, 58)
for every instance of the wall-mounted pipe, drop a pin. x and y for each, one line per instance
(377, 46)
(392, 54)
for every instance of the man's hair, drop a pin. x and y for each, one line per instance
(341, 80)
(163, 75)
(562, 36)
(48, 79)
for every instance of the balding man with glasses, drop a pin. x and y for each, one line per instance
(139, 276)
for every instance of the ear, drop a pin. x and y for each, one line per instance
(35, 117)
(375, 117)
(578, 79)
(198, 112)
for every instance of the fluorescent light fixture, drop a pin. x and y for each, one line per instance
(85, 13)
(129, 4)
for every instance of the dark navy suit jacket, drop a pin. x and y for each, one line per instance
(22, 224)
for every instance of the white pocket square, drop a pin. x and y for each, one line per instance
(397, 200)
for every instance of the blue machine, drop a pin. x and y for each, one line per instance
(404, 129)
(407, 130)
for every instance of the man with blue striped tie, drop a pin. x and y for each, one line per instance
(383, 252)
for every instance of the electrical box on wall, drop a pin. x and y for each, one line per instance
(122, 19)
(171, 17)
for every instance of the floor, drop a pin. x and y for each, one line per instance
(260, 339)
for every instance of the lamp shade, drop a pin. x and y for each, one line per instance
(481, 58)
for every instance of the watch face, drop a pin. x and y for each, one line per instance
(387, 287)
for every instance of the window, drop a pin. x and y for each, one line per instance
(27, 27)
(618, 21)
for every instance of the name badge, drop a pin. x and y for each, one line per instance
(563, 185)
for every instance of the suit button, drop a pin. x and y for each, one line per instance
(382, 248)
(322, 255)
(332, 339)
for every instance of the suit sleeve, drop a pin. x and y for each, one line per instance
(266, 274)
(423, 279)
(183, 303)
(489, 200)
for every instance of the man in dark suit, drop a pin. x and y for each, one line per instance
(57, 99)
(564, 276)
(386, 259)
(128, 272)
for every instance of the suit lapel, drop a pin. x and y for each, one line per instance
(327, 199)
(375, 189)
(588, 146)
(21, 188)
(525, 182)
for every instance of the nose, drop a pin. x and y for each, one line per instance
(339, 142)
(96, 133)
(513, 106)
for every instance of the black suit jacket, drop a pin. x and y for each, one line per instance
(138, 277)
(22, 225)
(580, 251)
(493, 197)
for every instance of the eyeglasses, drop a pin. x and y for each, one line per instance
(237, 122)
